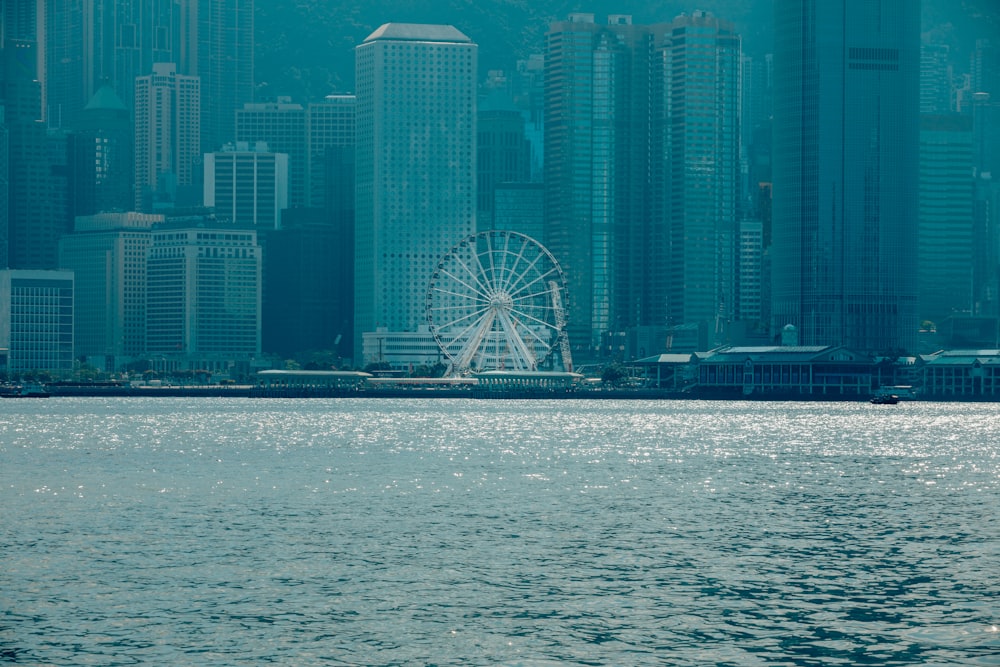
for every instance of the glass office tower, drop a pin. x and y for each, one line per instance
(846, 102)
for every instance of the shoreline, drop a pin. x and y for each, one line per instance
(246, 391)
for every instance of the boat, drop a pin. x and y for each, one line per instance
(27, 391)
(885, 399)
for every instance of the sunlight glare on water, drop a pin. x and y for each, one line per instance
(535, 533)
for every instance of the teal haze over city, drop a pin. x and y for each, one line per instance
(500, 333)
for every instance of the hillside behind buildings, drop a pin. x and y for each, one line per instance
(306, 49)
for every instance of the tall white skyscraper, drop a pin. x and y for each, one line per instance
(416, 167)
(167, 132)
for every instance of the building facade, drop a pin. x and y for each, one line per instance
(203, 294)
(167, 134)
(945, 225)
(504, 156)
(247, 185)
(415, 167)
(330, 146)
(107, 254)
(36, 320)
(604, 180)
(101, 155)
(703, 69)
(222, 58)
(845, 171)
(308, 297)
(282, 126)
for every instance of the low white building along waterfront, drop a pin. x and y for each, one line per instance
(203, 297)
(808, 371)
(960, 374)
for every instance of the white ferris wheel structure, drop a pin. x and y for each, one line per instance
(495, 302)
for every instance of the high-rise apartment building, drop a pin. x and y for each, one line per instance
(167, 134)
(703, 69)
(846, 136)
(604, 172)
(247, 185)
(223, 60)
(416, 157)
(107, 254)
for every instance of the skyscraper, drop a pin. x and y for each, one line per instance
(703, 68)
(167, 134)
(935, 79)
(845, 171)
(101, 154)
(87, 43)
(604, 172)
(416, 180)
(224, 46)
(504, 156)
(124, 39)
(37, 186)
(945, 248)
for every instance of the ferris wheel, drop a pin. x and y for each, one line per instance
(495, 302)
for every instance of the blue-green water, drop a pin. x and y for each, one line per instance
(461, 532)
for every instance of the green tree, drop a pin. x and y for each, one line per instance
(614, 375)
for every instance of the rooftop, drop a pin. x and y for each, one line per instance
(418, 32)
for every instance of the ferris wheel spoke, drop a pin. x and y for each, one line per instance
(530, 297)
(522, 244)
(537, 278)
(491, 254)
(481, 272)
(523, 273)
(520, 348)
(540, 322)
(475, 340)
(476, 317)
(474, 297)
(509, 260)
(479, 288)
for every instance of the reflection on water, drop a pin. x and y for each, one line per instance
(365, 532)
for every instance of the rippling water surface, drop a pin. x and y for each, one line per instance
(412, 532)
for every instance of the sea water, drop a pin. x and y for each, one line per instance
(462, 532)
